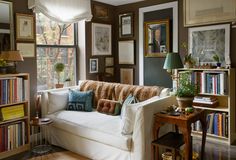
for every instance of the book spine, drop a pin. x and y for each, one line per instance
(215, 130)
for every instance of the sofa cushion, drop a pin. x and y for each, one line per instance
(94, 126)
(109, 106)
(127, 116)
(57, 101)
(80, 101)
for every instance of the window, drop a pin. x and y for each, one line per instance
(55, 43)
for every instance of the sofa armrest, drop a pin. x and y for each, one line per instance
(143, 125)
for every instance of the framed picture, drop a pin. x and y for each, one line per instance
(93, 65)
(126, 25)
(101, 39)
(26, 49)
(109, 61)
(126, 76)
(203, 12)
(126, 52)
(156, 38)
(100, 12)
(110, 71)
(204, 42)
(25, 27)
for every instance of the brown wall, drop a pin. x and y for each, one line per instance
(29, 64)
(101, 59)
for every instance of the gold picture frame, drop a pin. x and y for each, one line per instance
(25, 29)
(202, 12)
(157, 42)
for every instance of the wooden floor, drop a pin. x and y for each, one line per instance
(65, 155)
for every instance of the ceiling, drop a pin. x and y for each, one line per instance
(118, 2)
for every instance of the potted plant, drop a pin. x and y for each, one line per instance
(59, 67)
(188, 61)
(216, 58)
(3, 66)
(185, 91)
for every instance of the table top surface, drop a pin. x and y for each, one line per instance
(40, 121)
(182, 116)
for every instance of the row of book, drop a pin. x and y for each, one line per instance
(217, 124)
(12, 136)
(13, 90)
(210, 82)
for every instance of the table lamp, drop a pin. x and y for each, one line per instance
(172, 61)
(12, 56)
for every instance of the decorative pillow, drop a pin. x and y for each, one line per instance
(128, 115)
(80, 101)
(57, 101)
(109, 106)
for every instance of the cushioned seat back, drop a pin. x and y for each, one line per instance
(118, 92)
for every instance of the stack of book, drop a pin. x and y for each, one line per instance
(217, 124)
(203, 101)
(12, 112)
(12, 136)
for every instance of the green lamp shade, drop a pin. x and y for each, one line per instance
(172, 61)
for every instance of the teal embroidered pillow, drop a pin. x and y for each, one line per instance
(80, 101)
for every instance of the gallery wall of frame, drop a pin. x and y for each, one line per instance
(126, 48)
(25, 34)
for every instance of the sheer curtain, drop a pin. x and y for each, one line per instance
(63, 11)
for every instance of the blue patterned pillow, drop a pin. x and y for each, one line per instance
(80, 101)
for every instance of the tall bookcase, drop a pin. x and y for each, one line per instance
(219, 84)
(14, 114)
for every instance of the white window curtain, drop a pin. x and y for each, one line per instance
(63, 11)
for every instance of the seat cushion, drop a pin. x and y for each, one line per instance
(94, 126)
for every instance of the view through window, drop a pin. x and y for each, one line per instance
(55, 43)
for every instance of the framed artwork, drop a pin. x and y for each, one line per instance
(126, 25)
(126, 52)
(156, 38)
(26, 49)
(25, 27)
(109, 61)
(93, 65)
(126, 76)
(100, 12)
(204, 42)
(110, 70)
(101, 39)
(203, 12)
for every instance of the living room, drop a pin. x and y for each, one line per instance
(55, 53)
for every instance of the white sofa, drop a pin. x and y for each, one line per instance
(98, 136)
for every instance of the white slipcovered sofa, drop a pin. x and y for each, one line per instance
(98, 136)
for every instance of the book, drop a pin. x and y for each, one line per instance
(16, 111)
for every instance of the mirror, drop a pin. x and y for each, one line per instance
(6, 26)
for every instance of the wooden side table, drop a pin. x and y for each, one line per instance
(40, 143)
(183, 122)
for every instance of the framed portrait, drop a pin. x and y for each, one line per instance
(101, 39)
(127, 76)
(100, 12)
(126, 52)
(109, 71)
(25, 27)
(205, 42)
(203, 12)
(93, 65)
(26, 49)
(126, 25)
(156, 38)
(109, 61)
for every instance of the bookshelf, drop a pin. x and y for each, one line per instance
(220, 85)
(14, 114)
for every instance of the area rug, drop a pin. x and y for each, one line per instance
(65, 155)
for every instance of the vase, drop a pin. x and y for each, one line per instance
(184, 102)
